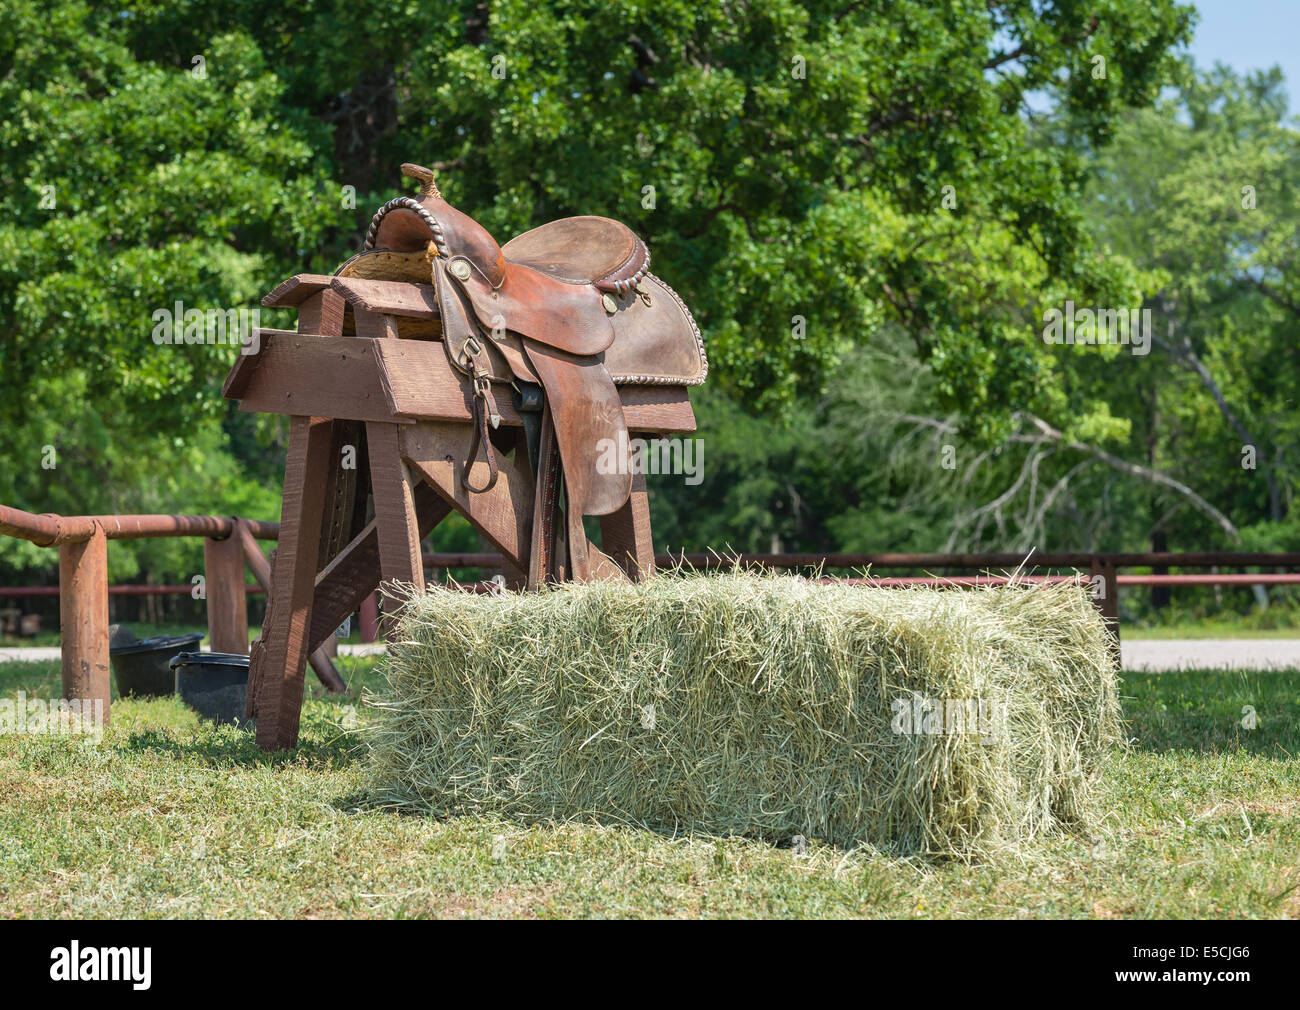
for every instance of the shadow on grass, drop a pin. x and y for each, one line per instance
(230, 747)
(363, 802)
(1214, 711)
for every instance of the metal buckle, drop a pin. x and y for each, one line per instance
(469, 350)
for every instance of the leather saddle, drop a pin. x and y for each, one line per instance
(563, 314)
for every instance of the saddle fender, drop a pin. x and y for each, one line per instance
(586, 410)
(568, 317)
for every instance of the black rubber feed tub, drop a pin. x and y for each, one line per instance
(215, 685)
(142, 667)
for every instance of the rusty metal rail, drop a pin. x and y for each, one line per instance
(83, 590)
(48, 530)
(1073, 559)
(230, 547)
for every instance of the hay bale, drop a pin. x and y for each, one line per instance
(758, 705)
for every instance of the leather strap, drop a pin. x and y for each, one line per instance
(468, 354)
(546, 538)
(529, 402)
(586, 410)
(484, 436)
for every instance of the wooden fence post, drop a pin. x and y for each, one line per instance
(223, 561)
(1108, 602)
(83, 619)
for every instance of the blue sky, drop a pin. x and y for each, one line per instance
(1251, 35)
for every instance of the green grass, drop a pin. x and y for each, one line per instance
(170, 818)
(1280, 620)
(1204, 630)
(52, 637)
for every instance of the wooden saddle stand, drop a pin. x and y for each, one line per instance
(437, 371)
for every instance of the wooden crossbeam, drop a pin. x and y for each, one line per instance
(353, 574)
(437, 452)
(397, 298)
(400, 381)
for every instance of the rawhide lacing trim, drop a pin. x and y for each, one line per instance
(622, 287)
(410, 204)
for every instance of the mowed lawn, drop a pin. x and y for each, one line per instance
(168, 818)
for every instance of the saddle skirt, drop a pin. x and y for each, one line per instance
(570, 306)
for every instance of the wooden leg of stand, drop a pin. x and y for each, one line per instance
(436, 452)
(625, 534)
(396, 522)
(546, 510)
(348, 581)
(282, 659)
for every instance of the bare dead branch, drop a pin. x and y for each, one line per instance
(1141, 472)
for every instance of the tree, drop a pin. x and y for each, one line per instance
(805, 174)
(1201, 194)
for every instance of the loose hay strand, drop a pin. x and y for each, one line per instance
(756, 705)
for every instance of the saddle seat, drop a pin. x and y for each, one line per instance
(569, 305)
(583, 250)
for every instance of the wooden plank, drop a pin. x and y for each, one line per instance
(322, 313)
(374, 325)
(283, 659)
(83, 623)
(305, 375)
(223, 564)
(243, 370)
(398, 298)
(346, 488)
(296, 290)
(261, 569)
(625, 534)
(546, 542)
(657, 410)
(516, 576)
(352, 576)
(423, 384)
(253, 556)
(400, 380)
(437, 451)
(396, 524)
(368, 618)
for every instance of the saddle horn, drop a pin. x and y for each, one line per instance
(424, 176)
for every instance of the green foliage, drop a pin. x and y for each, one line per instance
(1194, 203)
(1202, 194)
(800, 156)
(131, 185)
(822, 197)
